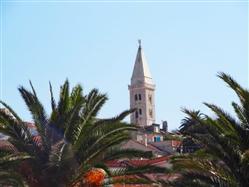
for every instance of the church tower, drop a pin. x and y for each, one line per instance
(142, 92)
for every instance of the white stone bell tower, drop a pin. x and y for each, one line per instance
(142, 91)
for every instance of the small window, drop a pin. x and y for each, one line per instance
(150, 99)
(136, 114)
(140, 97)
(151, 113)
(136, 97)
(157, 139)
(140, 111)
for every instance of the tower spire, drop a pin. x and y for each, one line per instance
(141, 71)
(142, 91)
(139, 43)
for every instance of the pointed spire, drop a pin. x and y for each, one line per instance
(140, 43)
(141, 72)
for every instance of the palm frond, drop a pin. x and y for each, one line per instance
(126, 153)
(11, 178)
(53, 103)
(38, 114)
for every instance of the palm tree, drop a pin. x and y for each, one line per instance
(224, 158)
(70, 141)
(10, 159)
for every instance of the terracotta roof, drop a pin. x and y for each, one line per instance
(132, 144)
(153, 177)
(176, 143)
(6, 145)
(122, 163)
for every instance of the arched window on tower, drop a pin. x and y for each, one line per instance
(140, 111)
(140, 97)
(136, 97)
(136, 114)
(150, 99)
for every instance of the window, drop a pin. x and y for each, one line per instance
(150, 99)
(140, 97)
(151, 113)
(136, 114)
(140, 111)
(157, 139)
(136, 97)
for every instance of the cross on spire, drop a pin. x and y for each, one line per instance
(139, 42)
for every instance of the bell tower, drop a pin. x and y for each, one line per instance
(142, 91)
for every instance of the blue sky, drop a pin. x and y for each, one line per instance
(95, 44)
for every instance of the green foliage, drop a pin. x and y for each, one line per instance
(223, 161)
(172, 137)
(117, 153)
(9, 160)
(136, 175)
(69, 141)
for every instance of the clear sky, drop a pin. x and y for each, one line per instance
(95, 44)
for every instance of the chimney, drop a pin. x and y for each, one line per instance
(165, 126)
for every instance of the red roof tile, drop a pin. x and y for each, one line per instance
(154, 161)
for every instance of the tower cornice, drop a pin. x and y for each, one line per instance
(144, 86)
